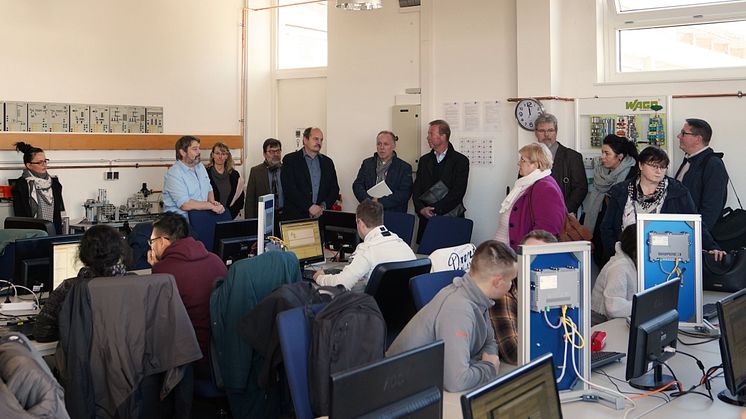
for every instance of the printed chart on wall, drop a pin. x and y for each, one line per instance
(474, 125)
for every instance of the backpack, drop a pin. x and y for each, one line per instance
(348, 332)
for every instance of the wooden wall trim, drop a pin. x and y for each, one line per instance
(84, 141)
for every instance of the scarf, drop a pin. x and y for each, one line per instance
(41, 200)
(520, 186)
(382, 167)
(634, 194)
(603, 180)
(117, 269)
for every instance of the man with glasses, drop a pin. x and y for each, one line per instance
(173, 251)
(264, 178)
(186, 185)
(702, 171)
(567, 166)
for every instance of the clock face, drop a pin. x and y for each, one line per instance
(526, 112)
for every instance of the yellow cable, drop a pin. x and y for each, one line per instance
(566, 321)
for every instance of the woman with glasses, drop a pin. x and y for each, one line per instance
(535, 202)
(227, 183)
(36, 194)
(652, 192)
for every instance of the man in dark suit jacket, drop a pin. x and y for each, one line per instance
(384, 165)
(265, 178)
(309, 180)
(703, 171)
(567, 169)
(442, 163)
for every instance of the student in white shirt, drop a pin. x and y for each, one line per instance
(617, 281)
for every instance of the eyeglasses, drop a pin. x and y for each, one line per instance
(683, 133)
(45, 161)
(150, 241)
(220, 153)
(546, 131)
(657, 166)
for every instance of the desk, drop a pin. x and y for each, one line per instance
(686, 407)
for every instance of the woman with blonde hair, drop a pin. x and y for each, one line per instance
(227, 183)
(535, 202)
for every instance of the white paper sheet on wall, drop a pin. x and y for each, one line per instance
(491, 109)
(472, 117)
(452, 115)
(477, 148)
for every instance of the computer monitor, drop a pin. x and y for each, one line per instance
(528, 391)
(653, 328)
(339, 231)
(64, 262)
(409, 384)
(233, 249)
(732, 319)
(266, 212)
(303, 237)
(32, 268)
(233, 228)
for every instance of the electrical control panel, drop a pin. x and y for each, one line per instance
(127, 119)
(664, 246)
(80, 118)
(555, 287)
(2, 116)
(154, 119)
(100, 118)
(16, 116)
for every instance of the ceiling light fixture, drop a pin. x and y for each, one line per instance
(359, 4)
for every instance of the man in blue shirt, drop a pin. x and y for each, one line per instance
(186, 185)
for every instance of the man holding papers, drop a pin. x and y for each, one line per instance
(384, 177)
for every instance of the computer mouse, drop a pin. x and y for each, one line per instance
(598, 341)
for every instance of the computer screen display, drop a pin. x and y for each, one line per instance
(732, 319)
(64, 262)
(408, 385)
(32, 260)
(530, 391)
(236, 248)
(303, 237)
(339, 229)
(234, 228)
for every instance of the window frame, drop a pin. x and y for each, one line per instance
(292, 73)
(611, 22)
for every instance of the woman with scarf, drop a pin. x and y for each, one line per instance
(535, 202)
(103, 253)
(618, 162)
(652, 192)
(36, 194)
(227, 184)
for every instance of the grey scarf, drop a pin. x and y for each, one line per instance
(603, 180)
(41, 199)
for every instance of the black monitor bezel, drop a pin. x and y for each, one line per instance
(311, 260)
(23, 251)
(339, 222)
(734, 384)
(234, 228)
(222, 244)
(51, 257)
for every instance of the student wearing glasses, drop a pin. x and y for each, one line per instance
(652, 192)
(36, 194)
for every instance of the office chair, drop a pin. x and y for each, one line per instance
(30, 223)
(445, 232)
(295, 341)
(202, 223)
(389, 285)
(402, 224)
(425, 286)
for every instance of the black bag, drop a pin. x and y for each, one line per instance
(348, 332)
(728, 275)
(730, 229)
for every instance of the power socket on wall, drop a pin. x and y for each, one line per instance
(111, 175)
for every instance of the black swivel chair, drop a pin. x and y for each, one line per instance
(389, 285)
(30, 224)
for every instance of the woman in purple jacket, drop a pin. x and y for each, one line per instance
(535, 202)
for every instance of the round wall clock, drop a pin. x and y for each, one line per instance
(526, 112)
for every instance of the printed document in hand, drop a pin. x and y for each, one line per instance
(379, 190)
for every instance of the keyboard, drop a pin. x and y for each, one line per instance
(603, 358)
(307, 274)
(709, 311)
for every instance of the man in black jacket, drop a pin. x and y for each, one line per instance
(443, 164)
(567, 168)
(309, 180)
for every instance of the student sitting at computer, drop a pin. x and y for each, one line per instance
(104, 254)
(379, 246)
(617, 281)
(173, 251)
(459, 315)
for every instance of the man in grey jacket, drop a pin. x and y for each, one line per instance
(459, 315)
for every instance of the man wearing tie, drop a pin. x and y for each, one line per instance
(703, 171)
(264, 179)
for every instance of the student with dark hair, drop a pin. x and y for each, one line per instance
(227, 183)
(36, 194)
(195, 269)
(617, 281)
(379, 246)
(104, 253)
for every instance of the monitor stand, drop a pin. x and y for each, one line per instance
(730, 398)
(652, 381)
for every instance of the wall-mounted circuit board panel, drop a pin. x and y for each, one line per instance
(100, 118)
(127, 119)
(16, 116)
(80, 118)
(154, 119)
(48, 117)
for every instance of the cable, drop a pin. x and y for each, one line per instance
(557, 326)
(564, 363)
(662, 396)
(694, 343)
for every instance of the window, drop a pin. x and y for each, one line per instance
(301, 35)
(648, 40)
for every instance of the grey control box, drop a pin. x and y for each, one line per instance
(669, 246)
(555, 287)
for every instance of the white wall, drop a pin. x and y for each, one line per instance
(183, 55)
(301, 103)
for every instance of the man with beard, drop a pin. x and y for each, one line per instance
(186, 185)
(309, 180)
(264, 178)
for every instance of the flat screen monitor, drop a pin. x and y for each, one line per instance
(64, 262)
(233, 228)
(732, 319)
(339, 231)
(408, 385)
(529, 391)
(654, 326)
(32, 260)
(236, 248)
(303, 237)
